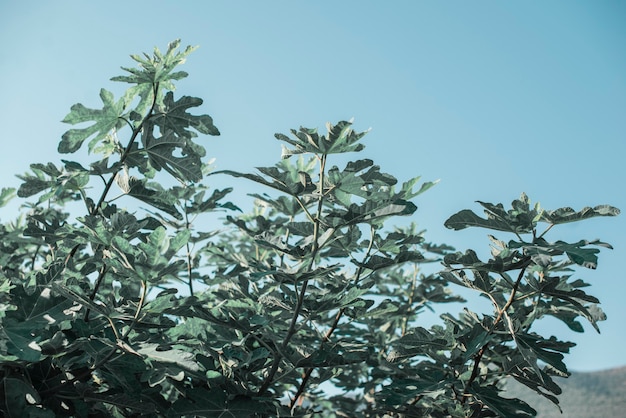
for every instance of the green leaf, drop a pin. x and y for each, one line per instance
(376, 262)
(543, 252)
(154, 195)
(216, 403)
(155, 352)
(340, 139)
(138, 405)
(177, 242)
(401, 391)
(554, 287)
(173, 117)
(6, 194)
(585, 257)
(286, 205)
(17, 398)
(280, 181)
(160, 153)
(200, 205)
(520, 219)
(546, 350)
(164, 301)
(32, 185)
(536, 379)
(418, 341)
(45, 177)
(466, 218)
(469, 259)
(474, 340)
(106, 119)
(25, 326)
(72, 295)
(504, 407)
(159, 67)
(566, 214)
(74, 166)
(355, 180)
(20, 343)
(384, 308)
(370, 212)
(568, 317)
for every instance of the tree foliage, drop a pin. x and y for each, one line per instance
(307, 304)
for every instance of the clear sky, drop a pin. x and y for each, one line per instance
(493, 98)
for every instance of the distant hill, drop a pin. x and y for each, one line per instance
(585, 395)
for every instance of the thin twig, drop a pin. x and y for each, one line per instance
(188, 247)
(405, 320)
(99, 280)
(547, 229)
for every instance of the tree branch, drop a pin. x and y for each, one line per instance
(483, 349)
(301, 295)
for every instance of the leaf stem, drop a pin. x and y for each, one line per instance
(405, 319)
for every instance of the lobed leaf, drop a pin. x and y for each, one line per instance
(106, 119)
(159, 67)
(155, 196)
(174, 117)
(163, 354)
(339, 139)
(567, 214)
(6, 194)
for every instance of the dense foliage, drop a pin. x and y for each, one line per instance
(307, 304)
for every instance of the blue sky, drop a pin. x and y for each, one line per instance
(493, 98)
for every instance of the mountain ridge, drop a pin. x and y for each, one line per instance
(585, 394)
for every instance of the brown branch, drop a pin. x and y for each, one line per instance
(101, 274)
(501, 312)
(307, 373)
(189, 256)
(301, 295)
(94, 209)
